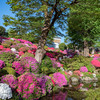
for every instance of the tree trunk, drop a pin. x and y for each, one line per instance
(86, 49)
(93, 50)
(40, 52)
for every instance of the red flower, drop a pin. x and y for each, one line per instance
(21, 53)
(77, 72)
(65, 72)
(1, 47)
(29, 51)
(34, 46)
(53, 82)
(8, 49)
(96, 63)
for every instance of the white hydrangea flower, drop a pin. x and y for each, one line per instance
(5, 91)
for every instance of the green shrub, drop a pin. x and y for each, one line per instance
(26, 54)
(8, 58)
(45, 47)
(16, 42)
(93, 94)
(46, 66)
(9, 70)
(76, 62)
(86, 74)
(62, 46)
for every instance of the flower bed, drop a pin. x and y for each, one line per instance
(31, 80)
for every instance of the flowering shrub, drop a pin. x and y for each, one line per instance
(83, 69)
(34, 46)
(30, 64)
(1, 47)
(7, 43)
(21, 53)
(77, 72)
(46, 66)
(5, 91)
(2, 64)
(46, 84)
(55, 63)
(26, 54)
(60, 96)
(28, 86)
(96, 63)
(18, 46)
(24, 49)
(10, 80)
(7, 57)
(20, 69)
(59, 79)
(50, 55)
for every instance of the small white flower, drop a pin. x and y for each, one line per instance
(94, 75)
(13, 49)
(70, 73)
(11, 39)
(61, 68)
(5, 91)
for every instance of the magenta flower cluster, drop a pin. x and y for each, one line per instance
(55, 63)
(2, 64)
(83, 69)
(27, 64)
(45, 84)
(28, 86)
(10, 80)
(30, 64)
(20, 69)
(59, 79)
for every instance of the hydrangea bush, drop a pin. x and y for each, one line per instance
(5, 91)
(10, 80)
(46, 84)
(28, 86)
(59, 79)
(30, 64)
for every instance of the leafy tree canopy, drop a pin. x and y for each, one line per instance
(84, 22)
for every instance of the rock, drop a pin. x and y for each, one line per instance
(74, 83)
(95, 79)
(74, 80)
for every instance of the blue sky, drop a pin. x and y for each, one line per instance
(5, 10)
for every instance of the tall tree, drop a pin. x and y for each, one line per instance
(2, 30)
(84, 24)
(42, 15)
